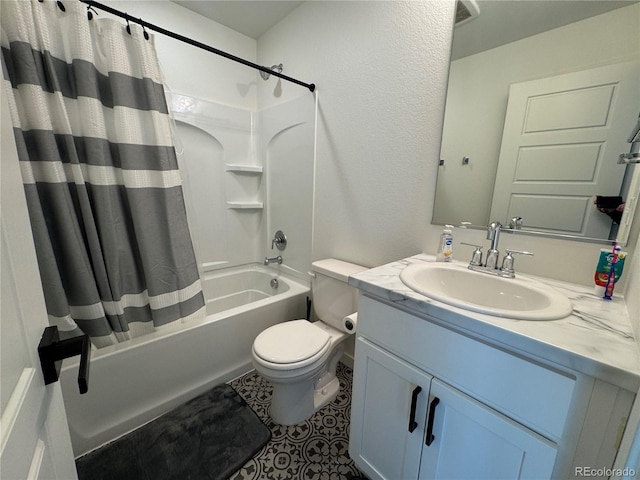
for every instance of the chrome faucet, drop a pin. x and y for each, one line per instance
(493, 234)
(516, 223)
(279, 241)
(268, 261)
(491, 264)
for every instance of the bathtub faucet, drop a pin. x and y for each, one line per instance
(268, 261)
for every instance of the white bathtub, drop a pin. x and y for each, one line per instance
(134, 382)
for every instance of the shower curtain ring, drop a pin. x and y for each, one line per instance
(91, 11)
(144, 30)
(126, 17)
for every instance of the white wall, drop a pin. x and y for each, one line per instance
(380, 69)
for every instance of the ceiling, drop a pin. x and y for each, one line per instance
(251, 18)
(499, 22)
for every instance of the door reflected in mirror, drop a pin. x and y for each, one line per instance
(542, 99)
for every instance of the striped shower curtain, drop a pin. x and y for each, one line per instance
(99, 170)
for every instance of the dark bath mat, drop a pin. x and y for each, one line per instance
(207, 438)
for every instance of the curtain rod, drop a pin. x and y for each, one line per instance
(195, 43)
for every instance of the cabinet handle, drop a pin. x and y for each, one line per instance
(432, 414)
(412, 416)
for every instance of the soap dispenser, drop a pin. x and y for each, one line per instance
(445, 246)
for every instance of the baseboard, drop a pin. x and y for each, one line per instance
(347, 360)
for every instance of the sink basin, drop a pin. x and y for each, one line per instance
(456, 285)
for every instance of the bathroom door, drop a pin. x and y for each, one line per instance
(34, 437)
(560, 145)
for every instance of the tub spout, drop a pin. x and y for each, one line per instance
(268, 261)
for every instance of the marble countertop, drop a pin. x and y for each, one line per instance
(597, 339)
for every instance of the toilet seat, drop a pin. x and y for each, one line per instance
(290, 345)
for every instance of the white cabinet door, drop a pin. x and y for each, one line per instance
(388, 412)
(468, 440)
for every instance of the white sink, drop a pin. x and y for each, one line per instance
(456, 285)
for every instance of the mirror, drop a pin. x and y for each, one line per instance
(542, 100)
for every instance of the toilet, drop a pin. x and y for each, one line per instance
(299, 357)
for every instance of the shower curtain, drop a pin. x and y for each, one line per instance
(99, 170)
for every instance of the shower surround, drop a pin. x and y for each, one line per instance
(247, 175)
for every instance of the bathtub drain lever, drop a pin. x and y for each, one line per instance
(52, 351)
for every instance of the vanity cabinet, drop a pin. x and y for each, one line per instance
(430, 402)
(419, 427)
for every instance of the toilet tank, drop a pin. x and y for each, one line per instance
(333, 298)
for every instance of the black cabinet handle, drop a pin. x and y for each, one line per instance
(52, 351)
(412, 416)
(432, 414)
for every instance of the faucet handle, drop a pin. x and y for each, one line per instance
(507, 262)
(279, 241)
(476, 256)
(516, 223)
(519, 252)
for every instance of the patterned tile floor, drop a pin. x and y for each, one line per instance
(315, 449)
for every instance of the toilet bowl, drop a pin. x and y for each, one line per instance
(299, 357)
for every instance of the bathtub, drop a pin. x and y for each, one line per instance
(136, 381)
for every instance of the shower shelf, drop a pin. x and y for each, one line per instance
(245, 205)
(257, 169)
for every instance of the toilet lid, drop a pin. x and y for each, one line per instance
(291, 342)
